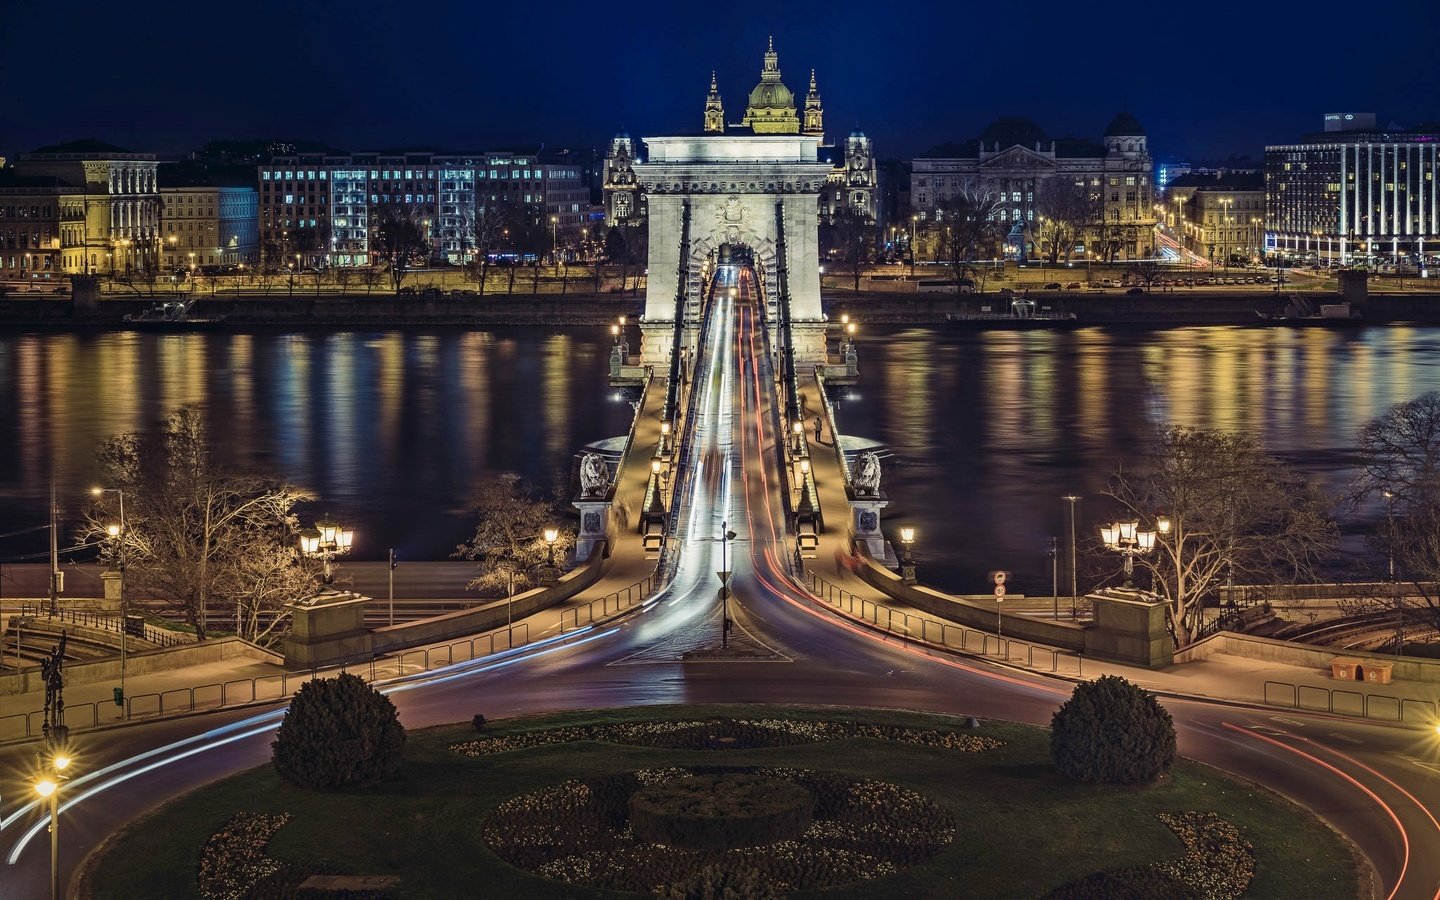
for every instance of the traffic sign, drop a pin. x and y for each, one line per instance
(999, 592)
(999, 579)
(724, 577)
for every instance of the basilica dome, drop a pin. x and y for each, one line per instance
(771, 109)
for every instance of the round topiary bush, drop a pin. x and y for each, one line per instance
(337, 732)
(1112, 731)
(721, 811)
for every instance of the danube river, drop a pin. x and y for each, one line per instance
(392, 429)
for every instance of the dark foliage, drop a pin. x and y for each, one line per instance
(1112, 731)
(478, 721)
(1142, 883)
(337, 732)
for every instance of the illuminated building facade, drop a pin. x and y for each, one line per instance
(109, 205)
(210, 217)
(1220, 217)
(29, 228)
(1355, 194)
(340, 196)
(1013, 158)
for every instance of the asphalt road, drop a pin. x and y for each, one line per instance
(1375, 784)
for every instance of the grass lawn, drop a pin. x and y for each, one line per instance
(1020, 830)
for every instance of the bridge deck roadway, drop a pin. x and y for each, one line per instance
(1377, 785)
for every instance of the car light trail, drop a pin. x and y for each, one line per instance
(266, 721)
(1389, 811)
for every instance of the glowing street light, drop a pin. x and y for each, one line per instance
(1129, 541)
(551, 536)
(326, 540)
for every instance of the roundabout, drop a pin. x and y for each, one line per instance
(872, 804)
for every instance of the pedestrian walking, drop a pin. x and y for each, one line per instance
(817, 429)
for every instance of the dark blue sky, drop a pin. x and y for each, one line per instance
(1207, 79)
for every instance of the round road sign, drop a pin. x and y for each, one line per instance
(999, 592)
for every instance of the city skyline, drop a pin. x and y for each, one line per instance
(911, 82)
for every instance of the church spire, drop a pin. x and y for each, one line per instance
(814, 117)
(714, 110)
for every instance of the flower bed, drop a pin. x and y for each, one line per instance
(579, 832)
(727, 734)
(233, 860)
(1218, 864)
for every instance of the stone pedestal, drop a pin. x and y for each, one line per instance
(594, 527)
(327, 629)
(809, 339)
(865, 527)
(1130, 627)
(112, 581)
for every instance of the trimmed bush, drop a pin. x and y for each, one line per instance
(477, 721)
(1112, 731)
(338, 732)
(721, 811)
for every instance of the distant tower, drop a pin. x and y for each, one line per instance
(714, 111)
(814, 118)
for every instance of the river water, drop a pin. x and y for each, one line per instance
(989, 429)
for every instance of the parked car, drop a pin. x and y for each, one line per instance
(406, 292)
(1136, 290)
(1053, 286)
(1073, 286)
(432, 292)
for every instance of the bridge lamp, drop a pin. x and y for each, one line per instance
(615, 333)
(551, 536)
(664, 436)
(844, 318)
(798, 428)
(326, 540)
(622, 321)
(1129, 541)
(907, 562)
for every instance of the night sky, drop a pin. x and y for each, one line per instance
(1207, 80)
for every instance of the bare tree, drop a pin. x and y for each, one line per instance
(398, 239)
(849, 238)
(195, 532)
(1064, 208)
(371, 276)
(1400, 466)
(968, 228)
(509, 540)
(1234, 512)
(1148, 271)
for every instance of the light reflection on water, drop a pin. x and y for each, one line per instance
(391, 429)
(991, 429)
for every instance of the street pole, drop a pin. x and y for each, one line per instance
(1073, 561)
(392, 585)
(724, 586)
(55, 842)
(1055, 578)
(124, 610)
(54, 556)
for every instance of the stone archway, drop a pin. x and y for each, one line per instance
(755, 190)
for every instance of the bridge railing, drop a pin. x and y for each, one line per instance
(99, 621)
(1344, 702)
(611, 604)
(947, 635)
(268, 688)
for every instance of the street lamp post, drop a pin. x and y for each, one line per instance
(118, 532)
(326, 541)
(664, 437)
(914, 224)
(907, 562)
(1129, 541)
(555, 241)
(48, 787)
(551, 536)
(726, 536)
(1074, 582)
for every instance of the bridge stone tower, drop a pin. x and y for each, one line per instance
(740, 187)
